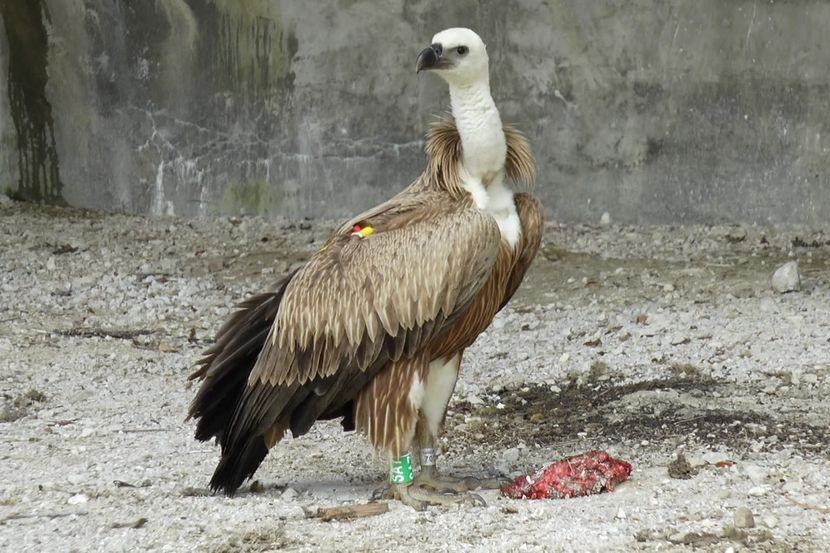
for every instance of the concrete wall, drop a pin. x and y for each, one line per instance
(657, 112)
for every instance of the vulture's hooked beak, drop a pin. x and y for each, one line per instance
(430, 58)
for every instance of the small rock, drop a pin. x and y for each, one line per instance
(511, 455)
(786, 278)
(75, 479)
(620, 514)
(77, 499)
(680, 468)
(5, 200)
(744, 518)
(770, 521)
(289, 494)
(757, 491)
(736, 236)
(605, 220)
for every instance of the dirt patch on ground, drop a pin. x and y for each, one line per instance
(668, 411)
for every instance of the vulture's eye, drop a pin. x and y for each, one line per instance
(462, 50)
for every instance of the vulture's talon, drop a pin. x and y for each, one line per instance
(476, 500)
(384, 493)
(431, 479)
(420, 497)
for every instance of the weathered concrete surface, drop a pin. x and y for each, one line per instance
(687, 111)
(9, 175)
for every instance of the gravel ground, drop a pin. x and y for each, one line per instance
(650, 343)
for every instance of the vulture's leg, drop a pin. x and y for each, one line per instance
(389, 413)
(429, 476)
(440, 384)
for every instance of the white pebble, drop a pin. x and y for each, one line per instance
(78, 499)
(744, 518)
(786, 278)
(75, 478)
(605, 220)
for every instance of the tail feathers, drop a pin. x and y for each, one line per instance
(227, 365)
(250, 433)
(224, 371)
(215, 404)
(238, 464)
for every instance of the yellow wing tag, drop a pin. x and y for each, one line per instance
(362, 232)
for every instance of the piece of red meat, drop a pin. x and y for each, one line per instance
(587, 474)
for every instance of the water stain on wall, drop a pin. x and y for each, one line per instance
(30, 109)
(253, 52)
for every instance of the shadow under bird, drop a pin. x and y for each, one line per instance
(372, 328)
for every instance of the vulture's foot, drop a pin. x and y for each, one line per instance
(430, 478)
(419, 497)
(385, 493)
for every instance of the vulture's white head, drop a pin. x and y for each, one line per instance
(458, 55)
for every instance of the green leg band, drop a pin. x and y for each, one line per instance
(400, 470)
